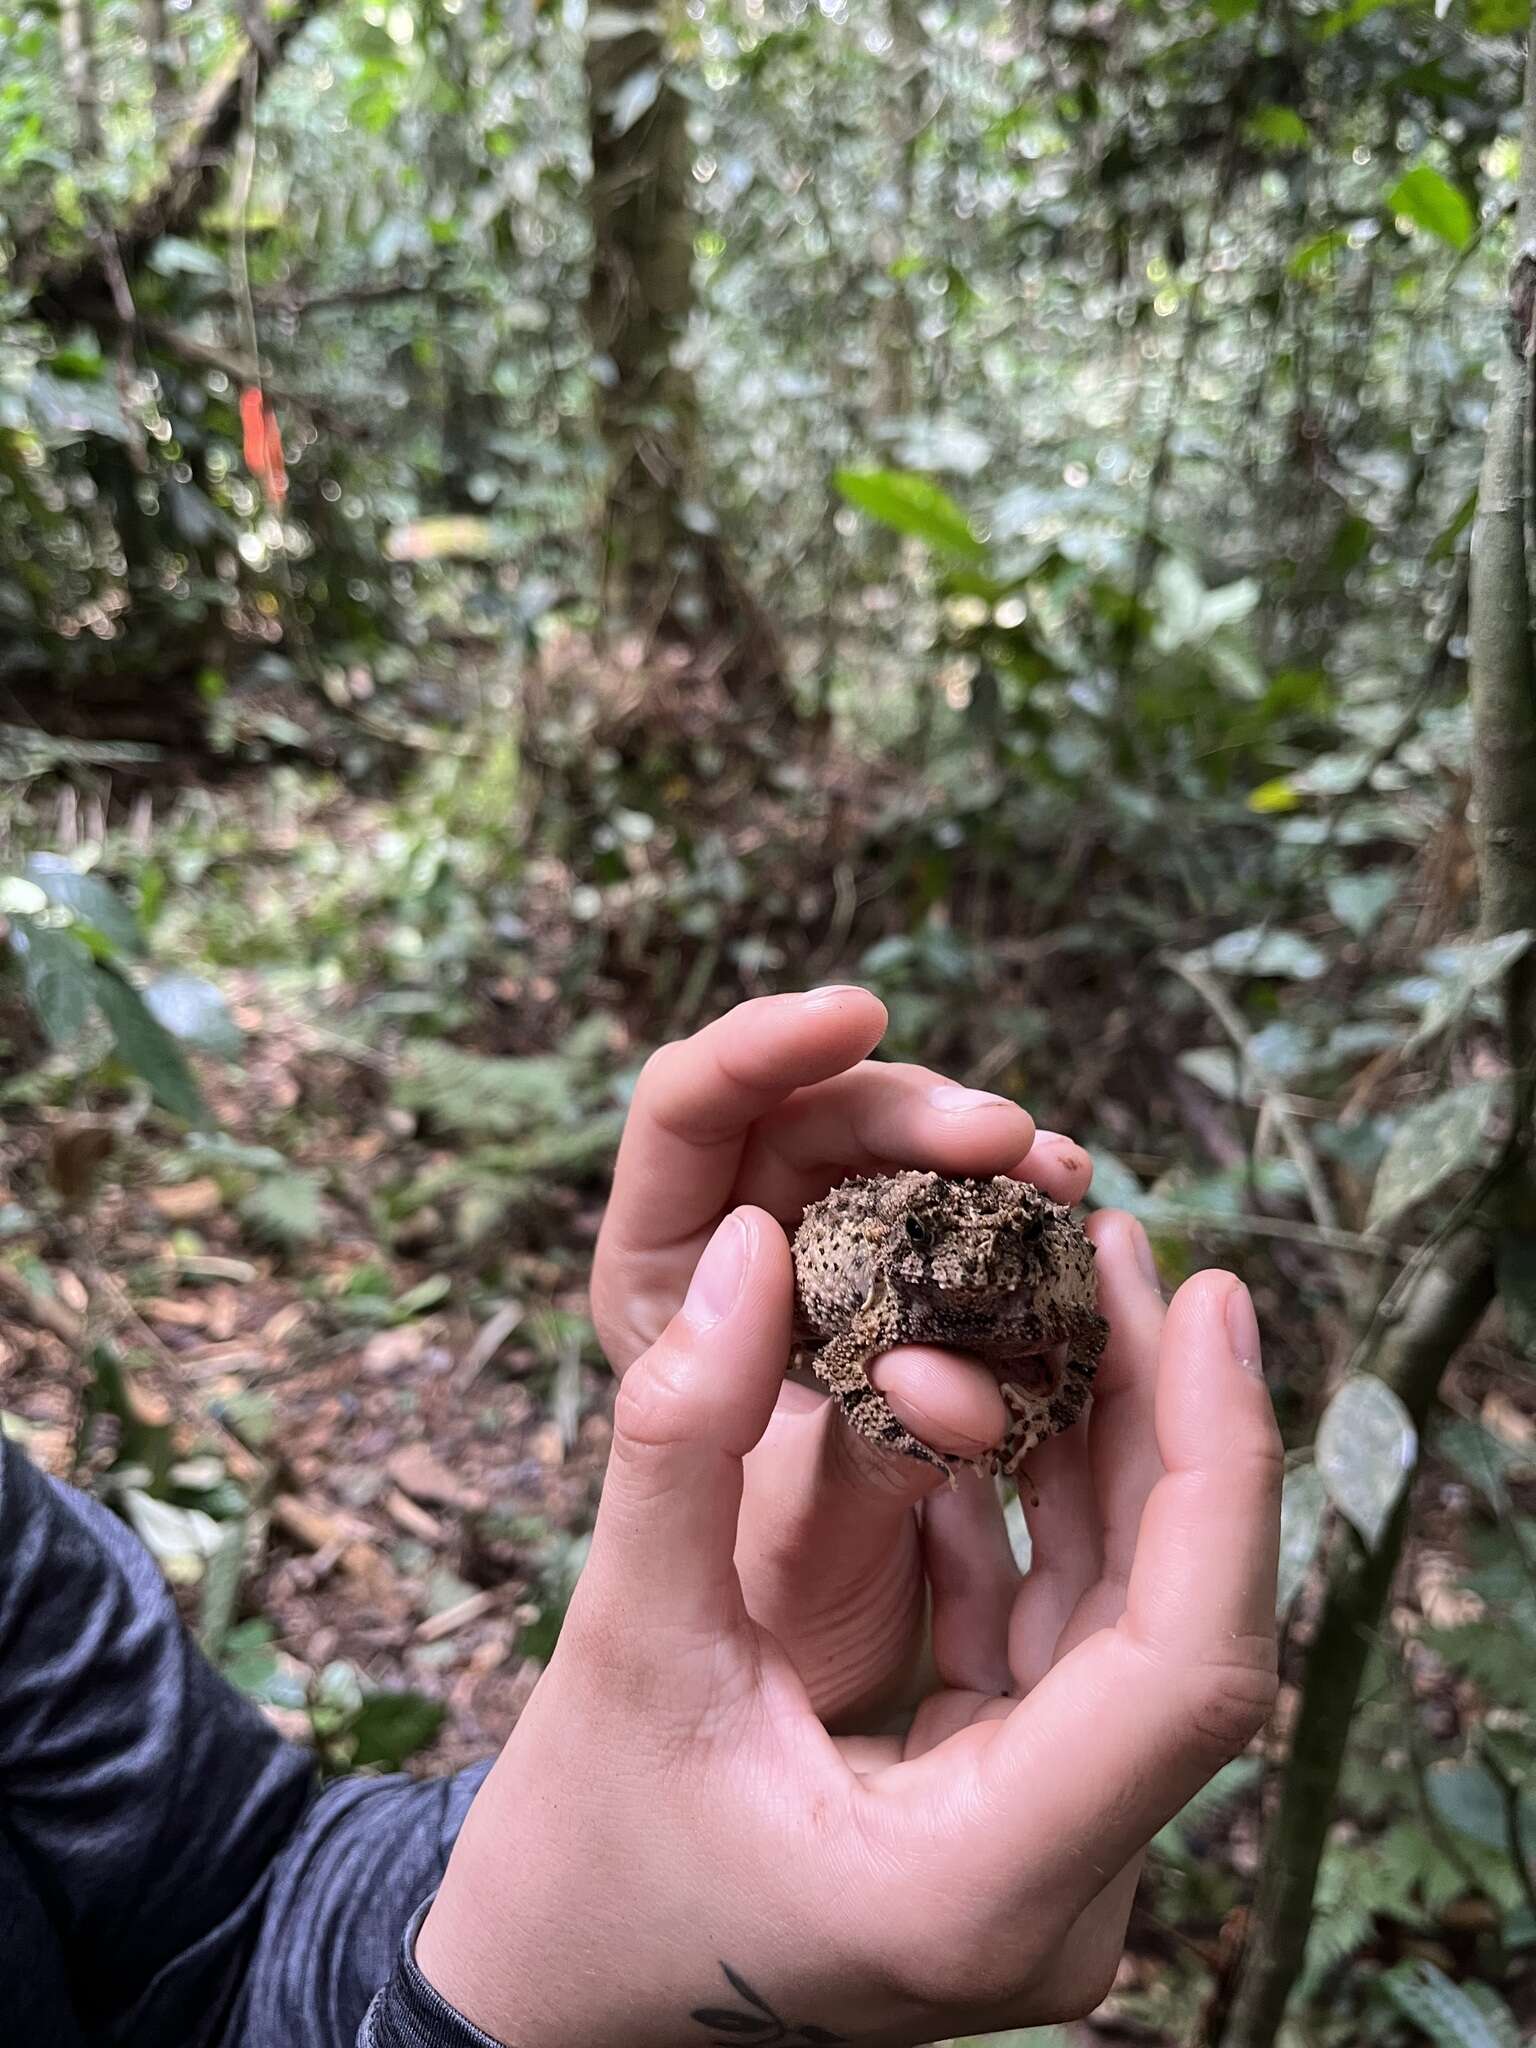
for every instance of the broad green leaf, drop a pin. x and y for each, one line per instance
(1483, 1459)
(286, 1208)
(1280, 955)
(391, 1726)
(1431, 1143)
(1465, 972)
(635, 96)
(1427, 198)
(20, 898)
(1517, 1288)
(1441, 2009)
(1359, 902)
(1317, 253)
(1343, 18)
(192, 1010)
(1114, 1186)
(175, 256)
(1498, 17)
(1366, 1448)
(91, 900)
(1278, 127)
(181, 1540)
(1215, 1067)
(1468, 1797)
(58, 975)
(913, 505)
(1302, 1501)
(146, 1047)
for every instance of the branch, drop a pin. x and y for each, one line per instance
(77, 285)
(243, 369)
(1319, 1197)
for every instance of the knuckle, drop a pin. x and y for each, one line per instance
(652, 1410)
(1233, 1696)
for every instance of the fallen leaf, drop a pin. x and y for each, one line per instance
(189, 1201)
(388, 1350)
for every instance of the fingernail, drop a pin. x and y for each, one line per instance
(718, 1277)
(954, 1100)
(1141, 1245)
(1243, 1330)
(833, 993)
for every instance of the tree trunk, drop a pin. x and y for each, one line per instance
(164, 55)
(1445, 1304)
(77, 45)
(665, 569)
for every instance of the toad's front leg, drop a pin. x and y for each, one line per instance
(842, 1365)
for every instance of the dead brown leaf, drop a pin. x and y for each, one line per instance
(188, 1202)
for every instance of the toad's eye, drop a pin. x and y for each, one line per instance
(919, 1230)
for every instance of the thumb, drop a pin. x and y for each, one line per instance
(687, 1412)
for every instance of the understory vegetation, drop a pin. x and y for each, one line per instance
(523, 524)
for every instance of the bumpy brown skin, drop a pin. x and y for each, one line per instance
(990, 1267)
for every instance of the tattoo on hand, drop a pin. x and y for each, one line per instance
(759, 2024)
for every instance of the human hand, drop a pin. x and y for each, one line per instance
(772, 1105)
(670, 1807)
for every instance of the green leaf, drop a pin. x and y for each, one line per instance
(147, 1048)
(499, 1098)
(1281, 955)
(1302, 1501)
(192, 1010)
(1215, 1067)
(1431, 1143)
(1517, 1288)
(92, 901)
(1343, 18)
(175, 256)
(391, 1726)
(1468, 1797)
(1443, 546)
(1359, 902)
(58, 976)
(1114, 1186)
(1433, 203)
(1498, 17)
(1366, 1448)
(1317, 253)
(1465, 972)
(286, 1208)
(1278, 127)
(1442, 2010)
(634, 96)
(181, 1540)
(913, 505)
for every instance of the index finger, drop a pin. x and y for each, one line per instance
(1128, 1726)
(697, 1099)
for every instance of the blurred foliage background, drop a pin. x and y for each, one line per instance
(522, 524)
